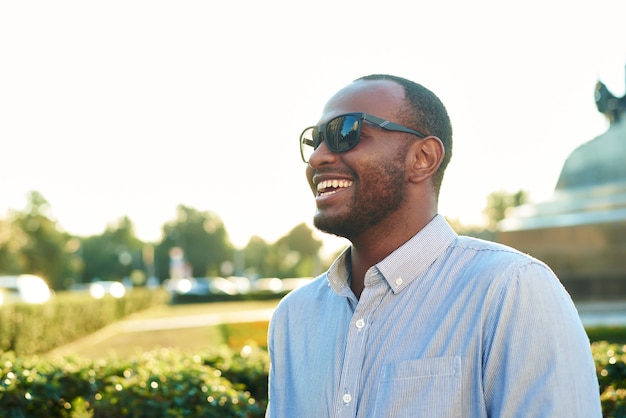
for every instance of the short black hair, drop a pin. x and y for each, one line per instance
(426, 114)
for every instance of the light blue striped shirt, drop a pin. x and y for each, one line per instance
(447, 326)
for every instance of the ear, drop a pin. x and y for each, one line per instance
(425, 157)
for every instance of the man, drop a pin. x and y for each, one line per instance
(413, 320)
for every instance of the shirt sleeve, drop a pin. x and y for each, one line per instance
(537, 359)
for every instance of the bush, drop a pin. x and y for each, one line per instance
(610, 360)
(33, 329)
(160, 383)
(219, 382)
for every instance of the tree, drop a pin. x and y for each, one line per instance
(301, 239)
(202, 238)
(499, 202)
(114, 255)
(42, 246)
(12, 239)
(298, 253)
(259, 258)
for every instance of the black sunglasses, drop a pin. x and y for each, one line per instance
(342, 133)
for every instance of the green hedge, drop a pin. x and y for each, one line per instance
(170, 383)
(161, 383)
(610, 360)
(219, 382)
(32, 329)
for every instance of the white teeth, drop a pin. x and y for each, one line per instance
(336, 184)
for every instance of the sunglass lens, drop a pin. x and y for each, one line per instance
(343, 133)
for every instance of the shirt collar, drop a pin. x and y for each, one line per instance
(404, 264)
(338, 274)
(412, 259)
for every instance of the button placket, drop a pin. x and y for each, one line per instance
(356, 347)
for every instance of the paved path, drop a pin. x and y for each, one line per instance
(192, 321)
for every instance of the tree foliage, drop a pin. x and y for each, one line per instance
(35, 244)
(297, 252)
(12, 239)
(259, 258)
(112, 255)
(499, 202)
(202, 237)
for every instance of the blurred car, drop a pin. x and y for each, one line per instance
(276, 285)
(267, 284)
(102, 288)
(202, 286)
(192, 289)
(26, 288)
(241, 283)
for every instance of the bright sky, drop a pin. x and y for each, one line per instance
(117, 108)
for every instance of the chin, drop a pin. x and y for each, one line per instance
(335, 225)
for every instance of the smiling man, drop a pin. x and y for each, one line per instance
(413, 320)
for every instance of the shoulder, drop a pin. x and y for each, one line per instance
(477, 244)
(493, 253)
(499, 269)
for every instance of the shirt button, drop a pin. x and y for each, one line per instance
(399, 281)
(347, 398)
(360, 323)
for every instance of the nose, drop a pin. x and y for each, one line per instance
(321, 156)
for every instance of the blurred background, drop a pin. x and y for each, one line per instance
(144, 141)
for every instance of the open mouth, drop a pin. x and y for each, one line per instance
(328, 187)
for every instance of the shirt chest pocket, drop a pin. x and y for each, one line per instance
(422, 388)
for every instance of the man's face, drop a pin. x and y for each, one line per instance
(360, 188)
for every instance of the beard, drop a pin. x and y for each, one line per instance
(373, 200)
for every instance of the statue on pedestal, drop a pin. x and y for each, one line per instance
(580, 231)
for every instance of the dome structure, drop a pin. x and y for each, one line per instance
(597, 162)
(603, 159)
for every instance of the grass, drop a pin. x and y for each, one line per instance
(130, 344)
